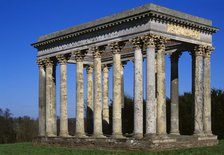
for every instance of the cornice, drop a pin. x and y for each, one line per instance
(153, 12)
(171, 19)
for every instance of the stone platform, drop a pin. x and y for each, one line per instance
(156, 143)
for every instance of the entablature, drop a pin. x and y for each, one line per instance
(154, 19)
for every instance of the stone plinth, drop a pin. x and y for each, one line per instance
(174, 142)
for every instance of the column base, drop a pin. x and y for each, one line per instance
(80, 135)
(150, 135)
(41, 135)
(175, 133)
(162, 136)
(64, 135)
(117, 136)
(98, 136)
(138, 135)
(208, 133)
(199, 133)
(51, 135)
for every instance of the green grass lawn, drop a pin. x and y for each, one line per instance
(30, 149)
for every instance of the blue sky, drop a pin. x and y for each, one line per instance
(25, 20)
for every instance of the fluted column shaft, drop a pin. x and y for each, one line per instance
(117, 113)
(161, 96)
(207, 91)
(89, 70)
(138, 89)
(42, 99)
(63, 96)
(50, 131)
(80, 132)
(97, 131)
(149, 41)
(174, 94)
(198, 91)
(106, 98)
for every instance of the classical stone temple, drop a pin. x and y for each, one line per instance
(148, 32)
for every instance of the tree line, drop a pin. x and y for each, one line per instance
(24, 129)
(186, 114)
(16, 129)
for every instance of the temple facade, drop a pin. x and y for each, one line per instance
(145, 33)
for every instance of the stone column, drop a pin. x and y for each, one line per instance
(174, 94)
(191, 52)
(149, 42)
(49, 99)
(122, 85)
(80, 131)
(198, 90)
(54, 99)
(42, 98)
(161, 93)
(106, 99)
(138, 90)
(117, 121)
(97, 127)
(207, 91)
(63, 96)
(89, 114)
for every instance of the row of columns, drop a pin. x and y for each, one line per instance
(201, 91)
(155, 86)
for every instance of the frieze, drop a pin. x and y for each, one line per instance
(180, 30)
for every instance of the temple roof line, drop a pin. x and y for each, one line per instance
(154, 12)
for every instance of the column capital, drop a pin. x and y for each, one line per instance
(40, 63)
(48, 62)
(149, 40)
(199, 50)
(161, 42)
(96, 52)
(208, 51)
(106, 68)
(116, 47)
(79, 55)
(89, 69)
(136, 42)
(62, 59)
